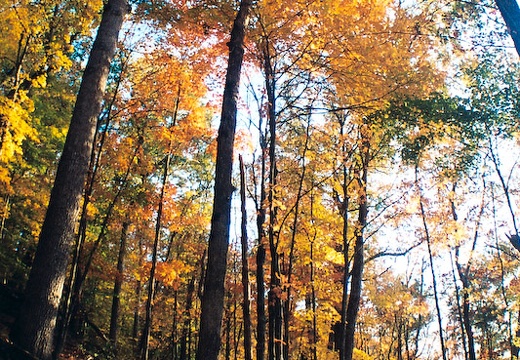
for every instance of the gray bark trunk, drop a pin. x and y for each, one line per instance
(34, 328)
(212, 305)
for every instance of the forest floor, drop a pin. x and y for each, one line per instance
(10, 301)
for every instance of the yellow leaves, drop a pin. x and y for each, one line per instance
(14, 127)
(360, 355)
(92, 210)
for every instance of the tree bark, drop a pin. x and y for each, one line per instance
(358, 261)
(274, 349)
(185, 338)
(135, 325)
(261, 252)
(287, 313)
(430, 254)
(34, 328)
(212, 305)
(152, 283)
(118, 282)
(357, 269)
(245, 268)
(343, 204)
(511, 13)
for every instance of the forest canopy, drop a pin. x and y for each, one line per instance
(341, 177)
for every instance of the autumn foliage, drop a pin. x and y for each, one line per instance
(379, 142)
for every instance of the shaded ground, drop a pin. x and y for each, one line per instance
(10, 301)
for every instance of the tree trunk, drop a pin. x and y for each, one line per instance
(515, 350)
(34, 328)
(212, 305)
(152, 282)
(467, 320)
(464, 276)
(358, 261)
(511, 14)
(430, 254)
(460, 315)
(261, 253)
(185, 338)
(260, 301)
(135, 325)
(245, 268)
(71, 295)
(357, 270)
(339, 335)
(118, 282)
(274, 349)
(314, 343)
(287, 313)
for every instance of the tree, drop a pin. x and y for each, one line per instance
(213, 297)
(511, 13)
(34, 328)
(245, 268)
(37, 46)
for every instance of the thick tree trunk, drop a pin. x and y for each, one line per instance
(212, 305)
(34, 328)
(118, 282)
(71, 295)
(511, 13)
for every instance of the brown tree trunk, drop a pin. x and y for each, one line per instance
(71, 295)
(118, 282)
(34, 328)
(212, 305)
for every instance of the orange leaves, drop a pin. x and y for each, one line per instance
(169, 273)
